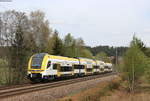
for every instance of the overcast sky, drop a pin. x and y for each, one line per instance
(98, 22)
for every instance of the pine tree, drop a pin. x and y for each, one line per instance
(57, 44)
(141, 45)
(69, 45)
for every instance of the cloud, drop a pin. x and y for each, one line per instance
(107, 22)
(147, 30)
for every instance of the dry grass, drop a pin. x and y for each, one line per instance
(141, 93)
(122, 96)
(94, 94)
(111, 91)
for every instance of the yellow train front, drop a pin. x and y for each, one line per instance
(43, 66)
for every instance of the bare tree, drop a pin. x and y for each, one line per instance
(40, 30)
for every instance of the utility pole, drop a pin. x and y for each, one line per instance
(116, 56)
(116, 60)
(0, 31)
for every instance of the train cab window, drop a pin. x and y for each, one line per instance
(36, 61)
(48, 64)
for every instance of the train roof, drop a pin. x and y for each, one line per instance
(62, 58)
(54, 57)
(67, 58)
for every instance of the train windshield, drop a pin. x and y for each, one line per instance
(37, 61)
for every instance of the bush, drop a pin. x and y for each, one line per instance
(93, 97)
(69, 99)
(114, 84)
(102, 92)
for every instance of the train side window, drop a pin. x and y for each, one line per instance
(89, 69)
(82, 66)
(66, 68)
(48, 64)
(106, 67)
(79, 66)
(75, 66)
(96, 67)
(55, 66)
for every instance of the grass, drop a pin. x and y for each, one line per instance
(115, 90)
(8, 77)
(141, 93)
(123, 96)
(3, 71)
(95, 93)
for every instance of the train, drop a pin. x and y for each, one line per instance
(46, 67)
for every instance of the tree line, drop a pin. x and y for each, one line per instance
(22, 35)
(109, 50)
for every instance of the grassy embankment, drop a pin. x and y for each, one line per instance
(95, 93)
(115, 90)
(3, 71)
(8, 75)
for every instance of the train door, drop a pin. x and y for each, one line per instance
(79, 69)
(93, 69)
(58, 70)
(72, 69)
(85, 68)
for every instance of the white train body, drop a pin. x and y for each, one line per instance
(44, 66)
(108, 67)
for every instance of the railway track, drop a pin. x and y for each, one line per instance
(14, 86)
(36, 87)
